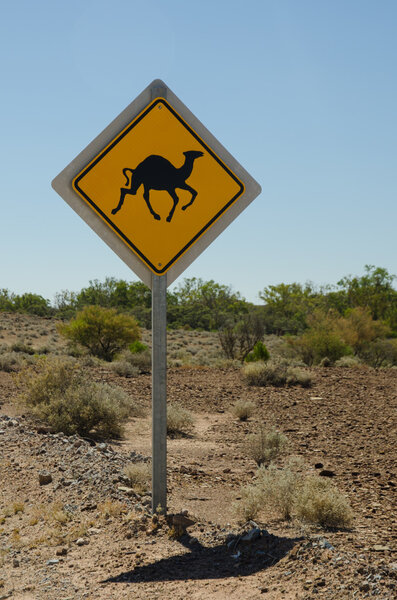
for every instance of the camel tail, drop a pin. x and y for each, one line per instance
(128, 177)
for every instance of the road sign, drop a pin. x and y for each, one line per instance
(156, 185)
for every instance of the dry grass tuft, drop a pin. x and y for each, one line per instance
(243, 409)
(139, 476)
(265, 446)
(320, 502)
(179, 420)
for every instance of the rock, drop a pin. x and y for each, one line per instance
(45, 477)
(126, 490)
(61, 551)
(251, 536)
(327, 473)
(81, 542)
(52, 561)
(318, 465)
(380, 548)
(15, 563)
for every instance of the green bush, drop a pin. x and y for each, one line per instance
(316, 344)
(380, 353)
(102, 330)
(59, 394)
(259, 352)
(137, 347)
(265, 446)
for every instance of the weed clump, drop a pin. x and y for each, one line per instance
(265, 446)
(139, 476)
(59, 394)
(320, 502)
(179, 420)
(243, 409)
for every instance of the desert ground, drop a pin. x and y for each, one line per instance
(82, 532)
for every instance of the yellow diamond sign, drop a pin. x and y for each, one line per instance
(157, 184)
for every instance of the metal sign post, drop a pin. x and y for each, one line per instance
(158, 188)
(159, 393)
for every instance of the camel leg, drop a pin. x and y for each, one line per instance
(176, 200)
(146, 196)
(123, 193)
(192, 191)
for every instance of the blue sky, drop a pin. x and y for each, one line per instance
(303, 94)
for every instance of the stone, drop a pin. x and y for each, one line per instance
(327, 473)
(45, 478)
(61, 551)
(128, 491)
(380, 548)
(15, 563)
(81, 542)
(52, 561)
(251, 536)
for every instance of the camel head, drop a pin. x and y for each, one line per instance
(193, 154)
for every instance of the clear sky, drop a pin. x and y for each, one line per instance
(302, 92)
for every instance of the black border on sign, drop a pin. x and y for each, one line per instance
(114, 226)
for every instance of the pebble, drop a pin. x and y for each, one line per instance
(45, 477)
(52, 561)
(81, 542)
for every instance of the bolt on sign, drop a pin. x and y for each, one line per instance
(156, 185)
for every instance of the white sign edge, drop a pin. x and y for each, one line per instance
(62, 184)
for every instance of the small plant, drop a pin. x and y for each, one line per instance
(265, 446)
(139, 476)
(60, 395)
(279, 487)
(142, 361)
(321, 503)
(103, 331)
(297, 376)
(348, 362)
(137, 347)
(10, 361)
(125, 368)
(179, 420)
(243, 409)
(18, 507)
(270, 373)
(250, 504)
(259, 352)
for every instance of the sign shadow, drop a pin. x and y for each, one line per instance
(234, 559)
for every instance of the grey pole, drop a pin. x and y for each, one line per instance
(159, 392)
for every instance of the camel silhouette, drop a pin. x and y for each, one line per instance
(157, 173)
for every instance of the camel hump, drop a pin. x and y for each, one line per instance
(154, 162)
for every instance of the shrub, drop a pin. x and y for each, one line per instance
(243, 409)
(137, 347)
(21, 347)
(316, 344)
(60, 395)
(348, 361)
(139, 476)
(279, 487)
(321, 503)
(297, 376)
(179, 420)
(238, 339)
(380, 353)
(138, 360)
(259, 352)
(265, 446)
(250, 504)
(102, 330)
(10, 361)
(274, 372)
(124, 368)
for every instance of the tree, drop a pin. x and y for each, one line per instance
(102, 330)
